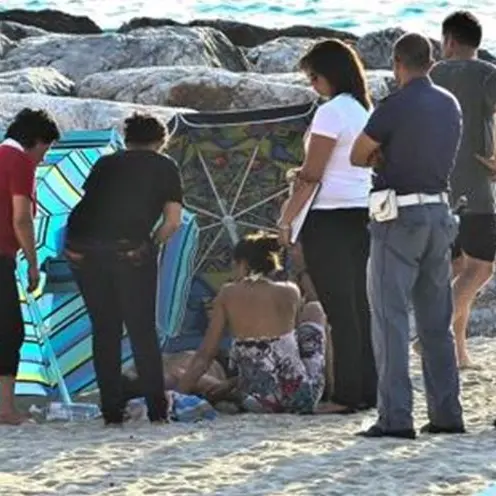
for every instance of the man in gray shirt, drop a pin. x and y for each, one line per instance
(473, 82)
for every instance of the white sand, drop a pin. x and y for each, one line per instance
(259, 455)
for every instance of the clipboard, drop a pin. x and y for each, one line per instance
(299, 220)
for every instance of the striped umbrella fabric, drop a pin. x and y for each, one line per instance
(59, 188)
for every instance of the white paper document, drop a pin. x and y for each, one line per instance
(299, 220)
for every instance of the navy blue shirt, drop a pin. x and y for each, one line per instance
(419, 129)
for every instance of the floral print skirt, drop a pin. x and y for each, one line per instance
(284, 374)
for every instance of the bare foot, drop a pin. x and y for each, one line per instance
(12, 418)
(466, 363)
(333, 408)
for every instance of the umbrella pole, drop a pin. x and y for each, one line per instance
(43, 335)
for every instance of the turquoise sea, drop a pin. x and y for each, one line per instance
(352, 15)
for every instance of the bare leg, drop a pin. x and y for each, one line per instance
(8, 412)
(472, 277)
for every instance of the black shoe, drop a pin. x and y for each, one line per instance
(376, 431)
(434, 429)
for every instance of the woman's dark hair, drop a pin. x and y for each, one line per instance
(143, 129)
(260, 251)
(464, 28)
(31, 127)
(341, 66)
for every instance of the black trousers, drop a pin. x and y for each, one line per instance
(119, 285)
(336, 249)
(11, 323)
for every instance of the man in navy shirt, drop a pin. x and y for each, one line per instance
(417, 131)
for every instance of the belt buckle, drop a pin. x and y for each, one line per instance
(420, 198)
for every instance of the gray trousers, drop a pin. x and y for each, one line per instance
(410, 262)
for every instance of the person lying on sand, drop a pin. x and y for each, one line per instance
(214, 385)
(278, 364)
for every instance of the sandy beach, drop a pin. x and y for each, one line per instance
(259, 454)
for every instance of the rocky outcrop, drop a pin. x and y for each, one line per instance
(43, 80)
(5, 45)
(483, 316)
(243, 34)
(201, 88)
(279, 55)
(376, 48)
(78, 56)
(54, 21)
(16, 31)
(204, 88)
(74, 113)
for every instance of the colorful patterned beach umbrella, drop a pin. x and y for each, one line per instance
(233, 166)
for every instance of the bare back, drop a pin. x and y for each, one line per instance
(261, 308)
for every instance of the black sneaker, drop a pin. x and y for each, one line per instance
(376, 431)
(435, 429)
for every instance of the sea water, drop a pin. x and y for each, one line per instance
(351, 15)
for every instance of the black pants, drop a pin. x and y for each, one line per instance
(336, 249)
(118, 285)
(11, 323)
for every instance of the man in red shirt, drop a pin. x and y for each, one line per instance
(27, 140)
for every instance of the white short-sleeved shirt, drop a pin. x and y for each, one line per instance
(343, 185)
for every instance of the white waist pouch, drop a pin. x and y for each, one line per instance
(383, 205)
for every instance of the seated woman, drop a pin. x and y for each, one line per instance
(278, 365)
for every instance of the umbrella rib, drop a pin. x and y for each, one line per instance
(212, 184)
(209, 249)
(259, 203)
(210, 226)
(249, 165)
(256, 226)
(202, 211)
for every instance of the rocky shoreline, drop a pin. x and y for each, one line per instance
(88, 78)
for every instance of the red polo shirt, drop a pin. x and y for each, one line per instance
(17, 177)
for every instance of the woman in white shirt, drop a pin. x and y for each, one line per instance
(334, 235)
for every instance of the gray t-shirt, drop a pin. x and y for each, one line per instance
(473, 82)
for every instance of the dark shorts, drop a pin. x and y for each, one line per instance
(11, 323)
(476, 237)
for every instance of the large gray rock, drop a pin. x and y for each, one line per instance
(16, 31)
(242, 33)
(78, 56)
(45, 80)
(483, 316)
(376, 48)
(74, 113)
(205, 88)
(5, 45)
(201, 88)
(51, 20)
(279, 55)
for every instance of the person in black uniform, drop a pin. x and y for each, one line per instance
(110, 246)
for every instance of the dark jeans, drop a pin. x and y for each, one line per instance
(336, 248)
(118, 284)
(11, 323)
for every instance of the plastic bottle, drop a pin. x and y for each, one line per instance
(71, 412)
